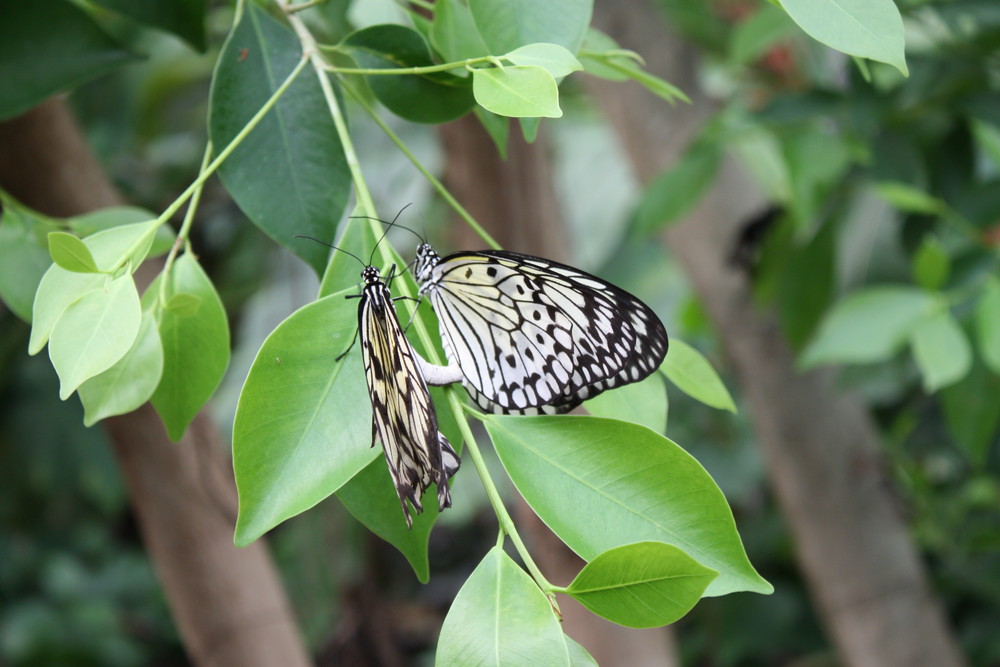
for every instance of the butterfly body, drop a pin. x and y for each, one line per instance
(534, 336)
(403, 416)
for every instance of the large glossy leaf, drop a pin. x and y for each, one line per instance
(47, 46)
(427, 98)
(641, 585)
(601, 483)
(869, 325)
(23, 255)
(94, 332)
(184, 18)
(289, 175)
(865, 28)
(690, 372)
(195, 344)
(303, 423)
(507, 24)
(501, 617)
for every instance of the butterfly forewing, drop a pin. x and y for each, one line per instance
(531, 335)
(403, 416)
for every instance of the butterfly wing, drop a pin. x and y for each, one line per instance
(403, 416)
(532, 335)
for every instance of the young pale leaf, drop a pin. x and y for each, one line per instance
(988, 324)
(909, 199)
(941, 349)
(117, 216)
(289, 175)
(601, 483)
(303, 424)
(371, 497)
(500, 617)
(554, 59)
(71, 254)
(690, 372)
(578, 656)
(869, 325)
(428, 98)
(507, 24)
(24, 257)
(931, 264)
(678, 189)
(642, 403)
(184, 18)
(130, 382)
(454, 34)
(864, 28)
(195, 345)
(641, 585)
(94, 333)
(517, 91)
(75, 50)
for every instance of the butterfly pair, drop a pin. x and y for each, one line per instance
(528, 336)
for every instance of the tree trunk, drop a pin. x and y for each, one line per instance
(228, 603)
(515, 201)
(820, 446)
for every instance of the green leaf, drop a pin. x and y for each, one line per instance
(289, 176)
(641, 585)
(454, 34)
(507, 24)
(184, 18)
(371, 497)
(869, 325)
(865, 28)
(94, 333)
(501, 617)
(71, 254)
(59, 288)
(597, 49)
(675, 191)
(578, 656)
(554, 59)
(130, 382)
(690, 372)
(969, 408)
(988, 324)
(183, 305)
(24, 256)
(931, 264)
(195, 344)
(498, 127)
(117, 216)
(988, 137)
(909, 199)
(517, 91)
(303, 423)
(47, 46)
(941, 349)
(600, 483)
(753, 37)
(642, 403)
(425, 98)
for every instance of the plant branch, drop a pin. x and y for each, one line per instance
(422, 69)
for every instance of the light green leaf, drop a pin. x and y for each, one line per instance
(454, 34)
(690, 372)
(988, 324)
(517, 91)
(909, 199)
(578, 656)
(988, 137)
(865, 28)
(941, 349)
(507, 24)
(183, 305)
(24, 257)
(70, 253)
(303, 426)
(641, 585)
(117, 216)
(94, 333)
(931, 264)
(130, 382)
(555, 59)
(500, 617)
(869, 325)
(195, 345)
(642, 403)
(601, 483)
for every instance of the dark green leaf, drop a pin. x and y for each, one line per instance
(24, 256)
(970, 409)
(498, 127)
(184, 18)
(47, 46)
(454, 34)
(289, 175)
(427, 98)
(931, 264)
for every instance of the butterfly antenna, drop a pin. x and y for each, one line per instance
(329, 245)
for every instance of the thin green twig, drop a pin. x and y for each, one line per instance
(184, 232)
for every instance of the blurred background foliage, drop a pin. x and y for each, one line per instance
(821, 135)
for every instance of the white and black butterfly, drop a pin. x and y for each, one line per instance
(403, 416)
(534, 336)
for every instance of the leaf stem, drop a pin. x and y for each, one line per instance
(422, 69)
(184, 232)
(304, 5)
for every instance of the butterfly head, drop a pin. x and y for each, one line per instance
(371, 275)
(425, 262)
